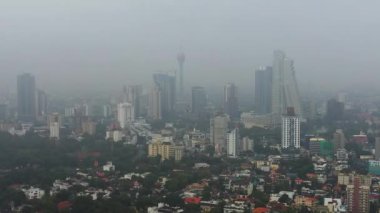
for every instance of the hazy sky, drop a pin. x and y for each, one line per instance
(106, 43)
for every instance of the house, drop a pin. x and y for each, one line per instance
(109, 167)
(33, 193)
(162, 207)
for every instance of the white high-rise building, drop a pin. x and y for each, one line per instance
(125, 114)
(285, 92)
(233, 141)
(291, 130)
(218, 132)
(54, 130)
(54, 122)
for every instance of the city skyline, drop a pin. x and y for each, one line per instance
(220, 42)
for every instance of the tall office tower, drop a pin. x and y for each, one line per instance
(154, 104)
(26, 97)
(218, 132)
(166, 84)
(125, 114)
(181, 61)
(133, 96)
(358, 197)
(290, 130)
(339, 140)
(198, 100)
(230, 99)
(42, 104)
(334, 111)
(284, 85)
(233, 143)
(377, 148)
(263, 90)
(54, 121)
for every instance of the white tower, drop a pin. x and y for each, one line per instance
(232, 143)
(291, 130)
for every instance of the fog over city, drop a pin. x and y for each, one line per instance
(102, 45)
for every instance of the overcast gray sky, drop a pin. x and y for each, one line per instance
(107, 43)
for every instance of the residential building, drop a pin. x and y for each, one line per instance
(89, 127)
(166, 150)
(133, 96)
(233, 142)
(291, 130)
(154, 104)
(247, 144)
(358, 197)
(125, 114)
(54, 123)
(218, 132)
(339, 140)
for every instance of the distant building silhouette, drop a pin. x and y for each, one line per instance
(166, 84)
(198, 100)
(334, 111)
(263, 90)
(284, 85)
(231, 106)
(26, 97)
(181, 61)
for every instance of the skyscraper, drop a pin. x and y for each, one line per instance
(181, 61)
(154, 104)
(290, 130)
(263, 90)
(230, 99)
(125, 114)
(166, 84)
(284, 85)
(218, 132)
(26, 97)
(198, 100)
(233, 142)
